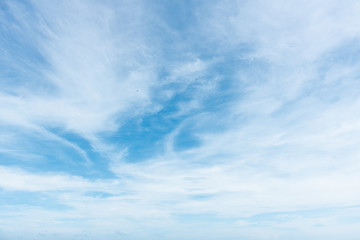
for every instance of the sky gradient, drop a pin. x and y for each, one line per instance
(173, 120)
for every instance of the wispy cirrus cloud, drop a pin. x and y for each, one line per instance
(83, 65)
(231, 119)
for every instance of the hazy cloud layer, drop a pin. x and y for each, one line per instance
(179, 120)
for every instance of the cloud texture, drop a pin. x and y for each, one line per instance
(179, 120)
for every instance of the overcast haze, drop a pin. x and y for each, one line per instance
(173, 120)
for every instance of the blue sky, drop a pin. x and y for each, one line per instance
(179, 119)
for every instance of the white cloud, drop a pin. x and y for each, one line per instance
(19, 180)
(289, 136)
(95, 71)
